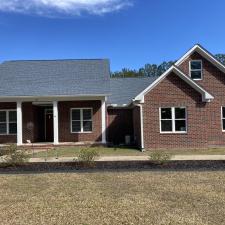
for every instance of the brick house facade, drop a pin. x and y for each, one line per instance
(175, 110)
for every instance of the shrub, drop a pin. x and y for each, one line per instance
(14, 156)
(159, 157)
(87, 156)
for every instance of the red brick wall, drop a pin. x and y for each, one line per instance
(204, 119)
(8, 138)
(65, 134)
(120, 124)
(214, 82)
(173, 91)
(213, 79)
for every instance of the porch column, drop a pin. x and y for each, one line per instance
(19, 123)
(56, 122)
(103, 107)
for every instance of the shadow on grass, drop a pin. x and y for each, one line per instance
(116, 166)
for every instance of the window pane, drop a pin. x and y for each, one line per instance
(86, 114)
(196, 74)
(166, 125)
(12, 116)
(3, 129)
(87, 126)
(76, 126)
(180, 113)
(196, 65)
(166, 113)
(223, 124)
(12, 128)
(180, 125)
(2, 116)
(223, 112)
(75, 114)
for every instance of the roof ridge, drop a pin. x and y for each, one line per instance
(51, 60)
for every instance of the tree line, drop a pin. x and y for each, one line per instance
(152, 70)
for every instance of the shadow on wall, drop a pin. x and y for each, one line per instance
(120, 126)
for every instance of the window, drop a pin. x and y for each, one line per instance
(196, 69)
(8, 122)
(223, 118)
(173, 120)
(81, 120)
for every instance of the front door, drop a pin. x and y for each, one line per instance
(48, 125)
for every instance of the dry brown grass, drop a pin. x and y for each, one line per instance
(113, 198)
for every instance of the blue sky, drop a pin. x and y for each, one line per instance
(130, 33)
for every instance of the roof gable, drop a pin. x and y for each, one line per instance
(205, 54)
(206, 97)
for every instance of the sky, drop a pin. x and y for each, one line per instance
(130, 33)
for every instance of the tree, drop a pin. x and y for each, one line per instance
(151, 70)
(125, 73)
(221, 58)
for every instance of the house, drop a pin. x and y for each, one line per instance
(69, 101)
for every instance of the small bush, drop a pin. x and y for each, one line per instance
(14, 156)
(159, 157)
(87, 156)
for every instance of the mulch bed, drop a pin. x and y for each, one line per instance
(116, 165)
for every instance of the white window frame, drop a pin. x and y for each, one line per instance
(81, 121)
(190, 70)
(222, 118)
(7, 121)
(173, 121)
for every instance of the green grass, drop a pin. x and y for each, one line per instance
(74, 151)
(112, 198)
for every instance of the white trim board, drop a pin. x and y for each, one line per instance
(205, 54)
(206, 97)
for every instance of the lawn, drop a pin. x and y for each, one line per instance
(74, 151)
(112, 198)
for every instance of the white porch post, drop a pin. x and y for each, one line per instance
(19, 123)
(103, 107)
(142, 128)
(56, 122)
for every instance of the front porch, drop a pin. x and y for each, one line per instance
(50, 123)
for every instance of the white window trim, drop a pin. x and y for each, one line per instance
(173, 121)
(7, 121)
(81, 121)
(190, 70)
(222, 118)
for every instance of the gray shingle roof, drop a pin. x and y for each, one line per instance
(68, 78)
(55, 78)
(125, 89)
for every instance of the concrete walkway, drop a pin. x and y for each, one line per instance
(131, 158)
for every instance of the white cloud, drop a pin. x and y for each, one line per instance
(69, 7)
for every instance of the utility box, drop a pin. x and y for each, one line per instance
(127, 139)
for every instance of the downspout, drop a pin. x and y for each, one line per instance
(142, 127)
